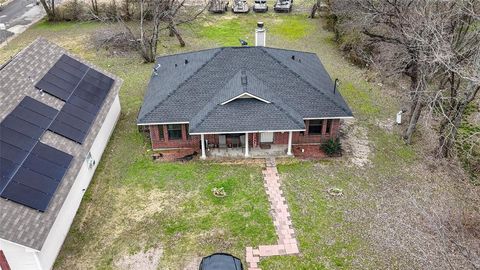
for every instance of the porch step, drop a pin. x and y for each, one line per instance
(270, 162)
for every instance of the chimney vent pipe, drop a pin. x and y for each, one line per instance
(260, 35)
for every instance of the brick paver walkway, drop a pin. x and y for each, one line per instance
(287, 243)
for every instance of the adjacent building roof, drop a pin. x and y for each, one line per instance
(239, 89)
(18, 223)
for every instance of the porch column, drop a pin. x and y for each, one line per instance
(246, 144)
(289, 149)
(202, 138)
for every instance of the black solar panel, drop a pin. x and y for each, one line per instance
(62, 79)
(22, 126)
(38, 107)
(30, 170)
(27, 196)
(84, 100)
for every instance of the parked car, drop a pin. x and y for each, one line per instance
(240, 6)
(260, 6)
(283, 6)
(221, 261)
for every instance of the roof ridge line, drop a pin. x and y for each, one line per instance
(182, 53)
(288, 50)
(203, 118)
(300, 77)
(185, 81)
(286, 111)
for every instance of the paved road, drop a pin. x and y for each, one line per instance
(16, 16)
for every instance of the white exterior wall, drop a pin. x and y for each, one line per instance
(20, 257)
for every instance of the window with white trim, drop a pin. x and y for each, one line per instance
(174, 131)
(315, 127)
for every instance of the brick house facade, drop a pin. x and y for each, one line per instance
(160, 136)
(242, 101)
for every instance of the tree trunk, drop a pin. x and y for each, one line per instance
(95, 7)
(49, 9)
(449, 126)
(314, 10)
(54, 16)
(175, 32)
(448, 133)
(416, 110)
(127, 16)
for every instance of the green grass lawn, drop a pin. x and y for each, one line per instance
(170, 206)
(135, 204)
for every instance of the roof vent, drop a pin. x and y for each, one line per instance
(155, 69)
(186, 61)
(243, 42)
(244, 80)
(293, 57)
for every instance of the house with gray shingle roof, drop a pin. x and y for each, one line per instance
(31, 238)
(241, 100)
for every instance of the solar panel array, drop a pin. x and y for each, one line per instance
(83, 89)
(30, 170)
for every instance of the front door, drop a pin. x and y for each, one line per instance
(266, 137)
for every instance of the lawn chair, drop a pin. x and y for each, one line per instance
(236, 141)
(242, 140)
(222, 141)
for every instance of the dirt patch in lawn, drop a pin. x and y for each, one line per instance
(145, 260)
(356, 144)
(421, 218)
(193, 263)
(152, 202)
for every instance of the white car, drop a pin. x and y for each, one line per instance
(283, 6)
(260, 6)
(240, 6)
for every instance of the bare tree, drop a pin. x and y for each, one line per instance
(449, 43)
(94, 4)
(127, 15)
(49, 6)
(430, 42)
(318, 6)
(156, 16)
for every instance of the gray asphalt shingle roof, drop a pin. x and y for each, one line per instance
(18, 223)
(190, 87)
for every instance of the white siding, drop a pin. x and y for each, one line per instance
(19, 257)
(64, 220)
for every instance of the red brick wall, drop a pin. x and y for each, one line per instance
(3, 261)
(186, 141)
(304, 137)
(308, 151)
(193, 141)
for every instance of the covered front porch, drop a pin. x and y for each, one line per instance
(275, 150)
(246, 144)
